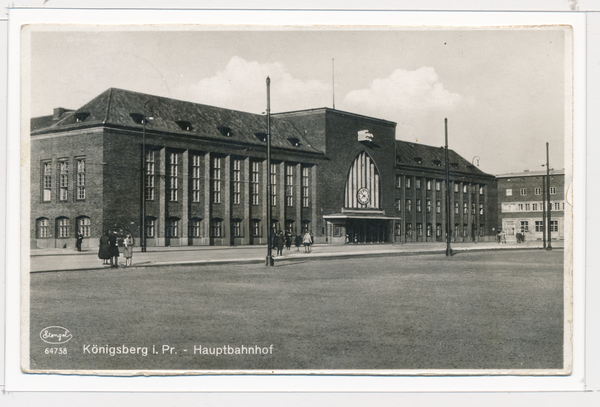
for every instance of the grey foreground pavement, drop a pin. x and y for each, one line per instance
(43, 260)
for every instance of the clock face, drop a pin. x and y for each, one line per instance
(364, 196)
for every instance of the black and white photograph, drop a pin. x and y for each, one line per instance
(296, 200)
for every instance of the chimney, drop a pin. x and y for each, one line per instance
(58, 111)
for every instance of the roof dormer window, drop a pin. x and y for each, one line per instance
(454, 165)
(184, 125)
(295, 141)
(137, 117)
(261, 136)
(418, 160)
(226, 131)
(81, 116)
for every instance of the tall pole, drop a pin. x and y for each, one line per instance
(333, 80)
(269, 260)
(143, 220)
(448, 248)
(544, 209)
(549, 210)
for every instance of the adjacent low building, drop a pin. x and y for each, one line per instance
(521, 199)
(192, 174)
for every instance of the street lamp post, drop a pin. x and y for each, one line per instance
(549, 208)
(269, 260)
(143, 220)
(448, 248)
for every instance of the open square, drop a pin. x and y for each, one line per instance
(476, 310)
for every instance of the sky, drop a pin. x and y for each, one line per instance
(502, 90)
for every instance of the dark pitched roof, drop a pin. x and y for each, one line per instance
(424, 157)
(115, 107)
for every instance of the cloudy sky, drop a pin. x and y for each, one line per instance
(503, 91)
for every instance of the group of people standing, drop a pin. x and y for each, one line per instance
(113, 243)
(280, 240)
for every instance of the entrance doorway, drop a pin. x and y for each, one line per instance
(367, 231)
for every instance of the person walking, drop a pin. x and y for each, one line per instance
(306, 240)
(113, 249)
(103, 251)
(288, 241)
(280, 243)
(298, 242)
(128, 249)
(79, 240)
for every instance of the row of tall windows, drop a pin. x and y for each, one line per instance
(523, 191)
(172, 227)
(437, 184)
(64, 180)
(438, 206)
(539, 226)
(63, 227)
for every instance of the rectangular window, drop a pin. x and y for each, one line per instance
(195, 227)
(508, 192)
(480, 190)
(149, 227)
(428, 205)
(255, 227)
(274, 184)
(254, 182)
(63, 227)
(539, 226)
(236, 228)
(523, 191)
(438, 206)
(556, 206)
(537, 191)
(289, 185)
(418, 183)
(173, 174)
(408, 206)
(552, 190)
(438, 186)
(215, 228)
(472, 208)
(398, 181)
(524, 226)
(398, 229)
(553, 226)
(408, 229)
(305, 187)
(534, 207)
(398, 205)
(465, 188)
(429, 230)
(43, 228)
(429, 185)
(150, 172)
(419, 229)
(216, 180)
(172, 228)
(408, 182)
(196, 178)
(481, 209)
(520, 207)
(455, 187)
(47, 170)
(64, 180)
(80, 178)
(83, 226)
(236, 177)
(527, 207)
(456, 208)
(418, 202)
(465, 208)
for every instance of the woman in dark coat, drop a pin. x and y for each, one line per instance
(103, 251)
(280, 243)
(298, 242)
(113, 249)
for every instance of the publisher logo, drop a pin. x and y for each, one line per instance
(55, 335)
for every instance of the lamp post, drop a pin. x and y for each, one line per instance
(448, 248)
(269, 260)
(549, 209)
(143, 220)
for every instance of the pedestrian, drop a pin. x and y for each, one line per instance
(499, 237)
(79, 240)
(280, 243)
(503, 237)
(103, 251)
(306, 241)
(298, 242)
(113, 249)
(128, 249)
(288, 241)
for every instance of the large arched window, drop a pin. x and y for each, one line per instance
(362, 185)
(43, 228)
(62, 227)
(83, 226)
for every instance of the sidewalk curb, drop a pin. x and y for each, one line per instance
(322, 256)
